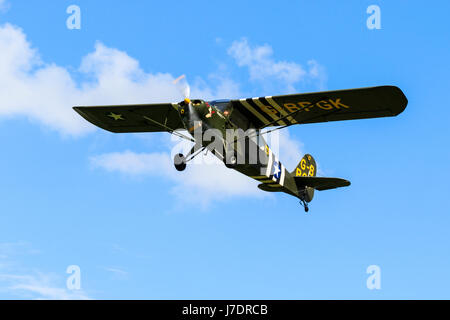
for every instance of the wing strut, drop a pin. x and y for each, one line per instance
(170, 130)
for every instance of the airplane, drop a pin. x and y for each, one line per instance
(209, 124)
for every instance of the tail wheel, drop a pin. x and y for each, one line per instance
(304, 205)
(179, 161)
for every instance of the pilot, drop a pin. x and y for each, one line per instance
(211, 111)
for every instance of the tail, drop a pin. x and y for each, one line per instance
(306, 181)
(306, 168)
(302, 182)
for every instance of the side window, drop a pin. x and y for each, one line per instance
(221, 106)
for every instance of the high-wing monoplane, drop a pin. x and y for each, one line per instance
(233, 129)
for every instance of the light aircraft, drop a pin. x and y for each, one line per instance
(232, 129)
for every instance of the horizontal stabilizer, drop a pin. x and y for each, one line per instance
(271, 188)
(321, 183)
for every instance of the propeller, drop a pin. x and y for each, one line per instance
(192, 118)
(184, 87)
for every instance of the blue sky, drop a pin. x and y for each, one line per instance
(113, 205)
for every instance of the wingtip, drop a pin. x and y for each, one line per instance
(402, 99)
(396, 98)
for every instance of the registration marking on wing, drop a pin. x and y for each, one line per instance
(281, 110)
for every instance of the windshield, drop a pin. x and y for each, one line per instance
(220, 104)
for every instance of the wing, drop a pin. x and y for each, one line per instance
(134, 118)
(385, 101)
(321, 183)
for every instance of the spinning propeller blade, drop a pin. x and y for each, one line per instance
(183, 86)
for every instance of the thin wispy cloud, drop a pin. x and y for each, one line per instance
(116, 271)
(4, 5)
(38, 286)
(21, 282)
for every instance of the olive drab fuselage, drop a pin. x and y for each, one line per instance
(257, 159)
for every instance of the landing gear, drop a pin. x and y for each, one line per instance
(179, 161)
(306, 195)
(305, 205)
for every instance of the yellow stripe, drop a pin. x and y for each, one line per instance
(274, 185)
(252, 110)
(263, 107)
(258, 177)
(281, 110)
(269, 164)
(264, 180)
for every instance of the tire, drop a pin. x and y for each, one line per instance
(179, 162)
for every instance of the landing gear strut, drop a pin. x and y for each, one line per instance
(304, 204)
(180, 160)
(306, 195)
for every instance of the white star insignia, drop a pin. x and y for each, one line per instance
(115, 116)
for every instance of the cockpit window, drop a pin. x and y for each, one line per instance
(220, 104)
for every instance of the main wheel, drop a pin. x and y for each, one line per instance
(179, 161)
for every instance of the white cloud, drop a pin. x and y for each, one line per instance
(46, 93)
(263, 67)
(134, 163)
(205, 175)
(208, 179)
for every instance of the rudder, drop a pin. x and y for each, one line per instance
(306, 167)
